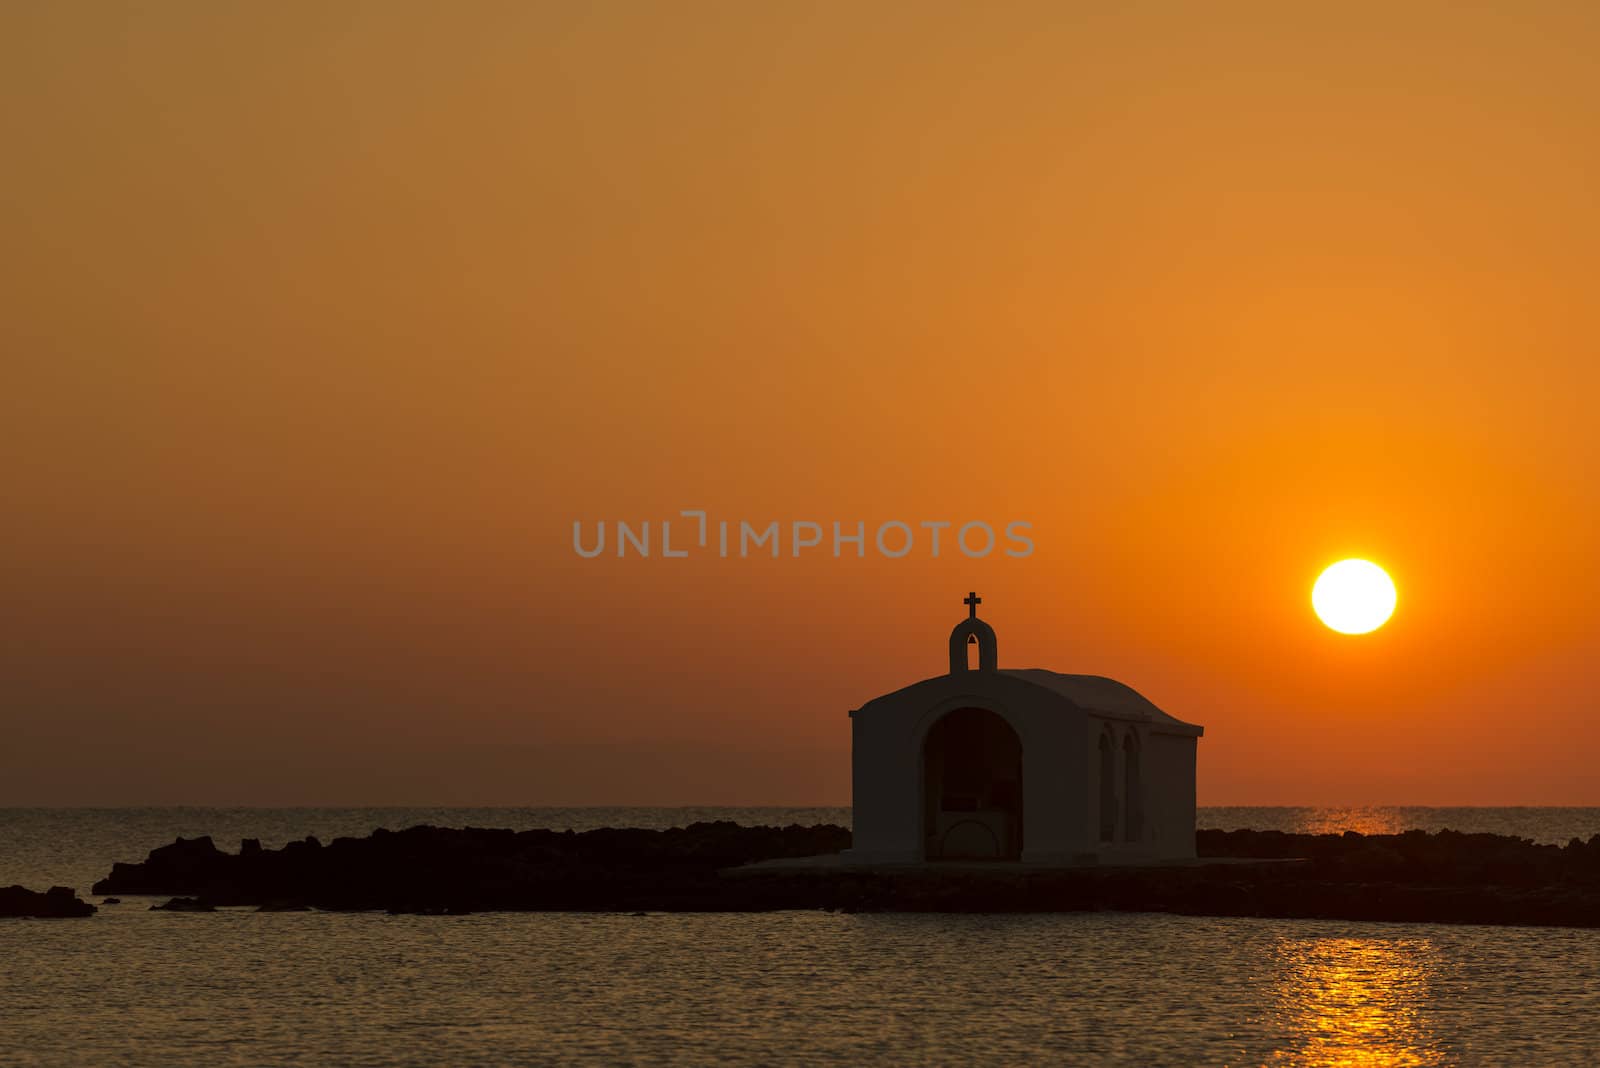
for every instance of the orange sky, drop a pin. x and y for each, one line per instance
(322, 324)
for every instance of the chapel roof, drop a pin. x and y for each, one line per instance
(1095, 693)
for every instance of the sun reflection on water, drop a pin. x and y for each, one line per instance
(1357, 1001)
(1361, 820)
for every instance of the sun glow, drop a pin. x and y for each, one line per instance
(1354, 597)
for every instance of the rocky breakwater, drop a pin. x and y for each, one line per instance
(443, 870)
(1441, 877)
(1415, 877)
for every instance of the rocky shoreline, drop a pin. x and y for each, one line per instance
(442, 870)
(1443, 877)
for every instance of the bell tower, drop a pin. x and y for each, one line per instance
(973, 630)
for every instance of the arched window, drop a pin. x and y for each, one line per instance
(1133, 790)
(1108, 787)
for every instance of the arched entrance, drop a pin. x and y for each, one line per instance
(972, 788)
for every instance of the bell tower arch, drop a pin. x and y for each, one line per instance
(973, 631)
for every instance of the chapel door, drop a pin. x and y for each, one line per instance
(972, 788)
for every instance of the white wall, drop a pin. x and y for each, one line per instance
(1171, 812)
(1060, 772)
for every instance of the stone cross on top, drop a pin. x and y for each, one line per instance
(972, 601)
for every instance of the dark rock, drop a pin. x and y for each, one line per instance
(59, 902)
(185, 904)
(284, 906)
(434, 870)
(111, 901)
(182, 867)
(1444, 878)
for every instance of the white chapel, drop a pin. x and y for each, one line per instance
(1019, 764)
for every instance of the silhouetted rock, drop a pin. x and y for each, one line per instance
(111, 901)
(1444, 878)
(58, 902)
(177, 868)
(185, 904)
(450, 871)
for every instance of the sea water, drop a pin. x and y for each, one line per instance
(235, 987)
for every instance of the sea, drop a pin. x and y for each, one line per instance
(235, 987)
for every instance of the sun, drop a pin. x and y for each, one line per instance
(1354, 597)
